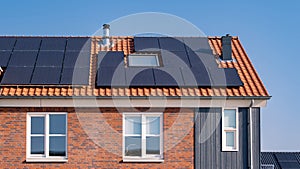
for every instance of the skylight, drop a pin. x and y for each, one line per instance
(143, 60)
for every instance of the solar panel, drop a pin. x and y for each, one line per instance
(77, 59)
(175, 58)
(17, 75)
(28, 43)
(146, 44)
(110, 76)
(202, 59)
(197, 44)
(168, 77)
(289, 165)
(46, 75)
(50, 58)
(110, 59)
(171, 44)
(53, 43)
(225, 77)
(23, 58)
(139, 77)
(285, 157)
(7, 43)
(81, 76)
(4, 58)
(195, 76)
(78, 44)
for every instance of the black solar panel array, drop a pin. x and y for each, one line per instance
(287, 161)
(45, 60)
(186, 62)
(281, 160)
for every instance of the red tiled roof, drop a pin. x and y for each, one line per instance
(253, 86)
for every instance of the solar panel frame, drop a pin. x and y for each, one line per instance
(17, 76)
(110, 59)
(23, 58)
(202, 59)
(46, 76)
(7, 43)
(53, 43)
(4, 58)
(81, 76)
(28, 43)
(146, 44)
(50, 58)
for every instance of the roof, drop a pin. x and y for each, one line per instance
(281, 160)
(252, 84)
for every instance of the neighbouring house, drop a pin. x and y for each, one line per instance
(280, 160)
(128, 102)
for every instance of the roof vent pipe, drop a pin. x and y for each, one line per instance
(226, 47)
(105, 38)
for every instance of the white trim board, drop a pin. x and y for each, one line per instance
(34, 102)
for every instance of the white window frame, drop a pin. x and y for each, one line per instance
(144, 157)
(230, 129)
(45, 157)
(145, 55)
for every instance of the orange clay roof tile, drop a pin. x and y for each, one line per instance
(253, 86)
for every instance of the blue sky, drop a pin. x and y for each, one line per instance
(268, 30)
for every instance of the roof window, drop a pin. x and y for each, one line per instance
(143, 60)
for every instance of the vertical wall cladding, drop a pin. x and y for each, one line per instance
(208, 141)
(83, 150)
(256, 137)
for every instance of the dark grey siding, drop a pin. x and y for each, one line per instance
(256, 137)
(208, 140)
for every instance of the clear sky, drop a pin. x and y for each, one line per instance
(268, 30)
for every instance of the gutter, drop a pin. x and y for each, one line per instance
(140, 97)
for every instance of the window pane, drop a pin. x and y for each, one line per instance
(37, 125)
(230, 139)
(57, 146)
(37, 145)
(133, 146)
(143, 60)
(153, 125)
(57, 123)
(133, 125)
(152, 145)
(230, 118)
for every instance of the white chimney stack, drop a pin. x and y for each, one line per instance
(105, 38)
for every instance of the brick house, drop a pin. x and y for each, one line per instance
(128, 102)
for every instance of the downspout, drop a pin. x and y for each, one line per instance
(251, 136)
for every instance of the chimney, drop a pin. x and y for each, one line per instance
(105, 38)
(226, 47)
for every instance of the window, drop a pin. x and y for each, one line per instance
(230, 130)
(46, 137)
(142, 137)
(143, 60)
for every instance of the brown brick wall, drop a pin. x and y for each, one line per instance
(95, 139)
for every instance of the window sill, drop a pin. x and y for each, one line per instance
(143, 160)
(51, 159)
(230, 150)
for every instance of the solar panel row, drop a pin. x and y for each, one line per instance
(163, 77)
(196, 44)
(45, 61)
